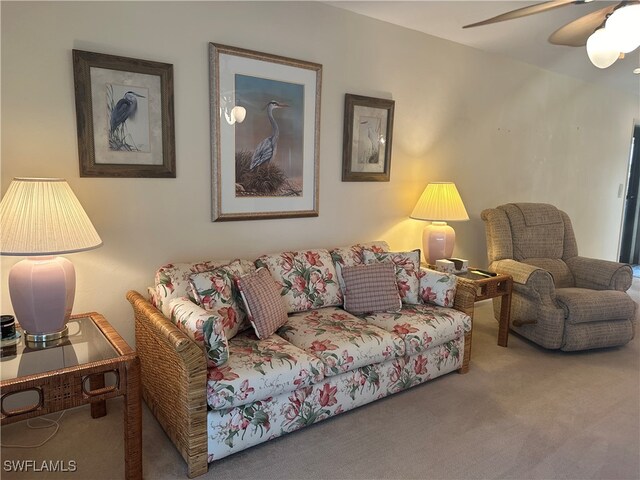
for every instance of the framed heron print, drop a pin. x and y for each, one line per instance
(368, 129)
(124, 111)
(265, 131)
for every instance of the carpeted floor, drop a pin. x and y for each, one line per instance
(520, 413)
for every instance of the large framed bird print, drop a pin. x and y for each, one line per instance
(265, 131)
(124, 111)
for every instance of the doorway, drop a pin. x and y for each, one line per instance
(630, 239)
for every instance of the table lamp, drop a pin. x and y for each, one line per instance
(439, 203)
(41, 218)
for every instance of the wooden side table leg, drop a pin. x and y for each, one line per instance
(98, 409)
(505, 315)
(133, 423)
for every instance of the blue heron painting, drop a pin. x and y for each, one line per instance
(269, 143)
(266, 149)
(128, 119)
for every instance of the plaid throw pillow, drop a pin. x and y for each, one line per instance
(407, 270)
(371, 288)
(264, 305)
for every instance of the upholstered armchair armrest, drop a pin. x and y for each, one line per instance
(174, 379)
(527, 279)
(600, 274)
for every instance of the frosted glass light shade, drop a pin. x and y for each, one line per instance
(624, 25)
(42, 216)
(602, 49)
(440, 201)
(39, 218)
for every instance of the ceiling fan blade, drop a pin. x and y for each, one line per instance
(524, 11)
(576, 33)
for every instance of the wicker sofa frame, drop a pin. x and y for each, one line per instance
(174, 375)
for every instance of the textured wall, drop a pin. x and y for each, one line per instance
(502, 130)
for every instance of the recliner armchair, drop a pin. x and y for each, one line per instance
(560, 300)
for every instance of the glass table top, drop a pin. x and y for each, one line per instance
(85, 343)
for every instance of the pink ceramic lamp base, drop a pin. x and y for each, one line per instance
(42, 291)
(438, 240)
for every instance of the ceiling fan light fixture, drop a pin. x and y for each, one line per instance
(624, 25)
(602, 49)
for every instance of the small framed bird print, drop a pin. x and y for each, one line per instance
(368, 128)
(265, 131)
(124, 111)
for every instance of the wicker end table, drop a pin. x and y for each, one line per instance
(499, 285)
(70, 373)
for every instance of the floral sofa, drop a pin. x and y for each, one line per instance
(217, 389)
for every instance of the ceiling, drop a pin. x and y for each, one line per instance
(523, 39)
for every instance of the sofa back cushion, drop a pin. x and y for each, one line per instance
(307, 279)
(173, 280)
(216, 291)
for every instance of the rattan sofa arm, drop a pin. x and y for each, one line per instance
(465, 298)
(174, 375)
(600, 274)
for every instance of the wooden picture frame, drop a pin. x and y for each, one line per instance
(124, 110)
(265, 135)
(368, 131)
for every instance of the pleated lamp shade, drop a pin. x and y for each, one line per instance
(439, 203)
(41, 218)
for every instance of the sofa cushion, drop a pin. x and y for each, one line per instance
(342, 341)
(371, 288)
(172, 280)
(353, 255)
(307, 278)
(258, 369)
(422, 326)
(437, 288)
(203, 327)
(217, 291)
(583, 305)
(407, 271)
(262, 301)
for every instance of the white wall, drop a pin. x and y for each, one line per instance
(502, 130)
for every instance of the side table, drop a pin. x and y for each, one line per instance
(71, 372)
(499, 285)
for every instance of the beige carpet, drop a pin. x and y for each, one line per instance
(520, 413)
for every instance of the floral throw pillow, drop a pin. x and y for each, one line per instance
(262, 301)
(437, 287)
(204, 328)
(307, 279)
(216, 291)
(371, 288)
(407, 271)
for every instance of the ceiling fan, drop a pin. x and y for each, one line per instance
(604, 45)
